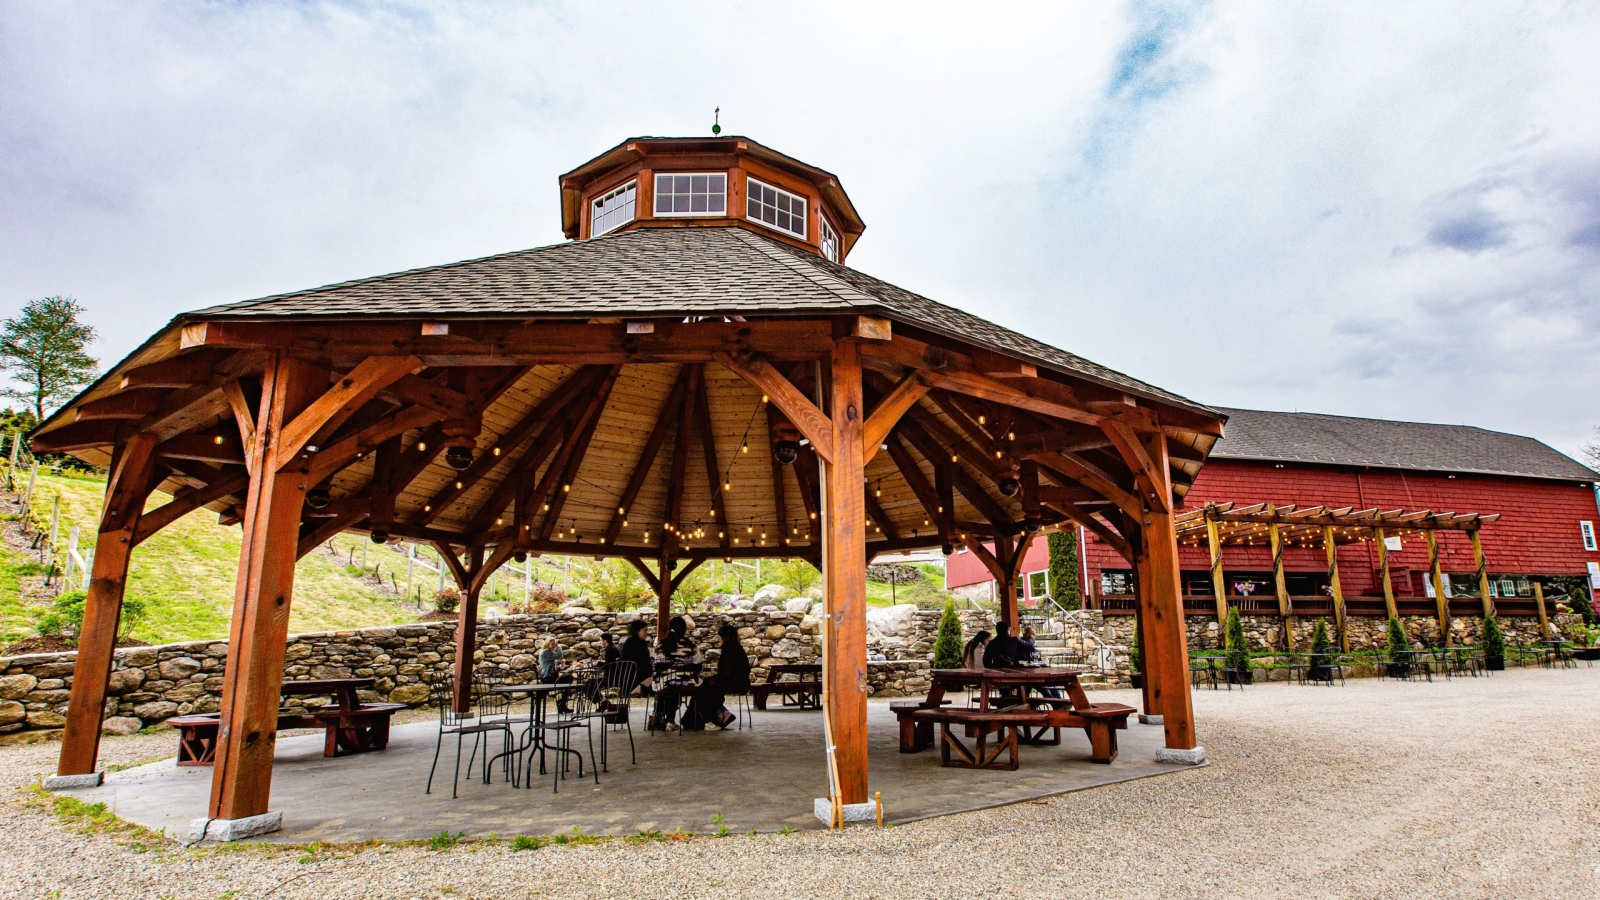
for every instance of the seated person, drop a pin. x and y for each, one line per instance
(732, 677)
(972, 655)
(636, 649)
(1030, 648)
(677, 661)
(608, 649)
(1005, 651)
(550, 670)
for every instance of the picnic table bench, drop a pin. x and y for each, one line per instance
(349, 725)
(803, 690)
(1032, 720)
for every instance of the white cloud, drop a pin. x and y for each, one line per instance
(1364, 209)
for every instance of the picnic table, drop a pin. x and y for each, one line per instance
(803, 690)
(1004, 707)
(349, 725)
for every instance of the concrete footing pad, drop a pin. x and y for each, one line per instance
(234, 829)
(68, 782)
(1195, 757)
(1151, 720)
(854, 813)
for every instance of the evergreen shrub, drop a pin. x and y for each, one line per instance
(947, 644)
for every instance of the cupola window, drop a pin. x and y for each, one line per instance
(827, 240)
(614, 209)
(776, 208)
(692, 195)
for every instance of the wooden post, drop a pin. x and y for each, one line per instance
(1383, 573)
(1219, 585)
(1008, 554)
(844, 557)
(1436, 578)
(1143, 589)
(1333, 585)
(1280, 585)
(132, 479)
(1544, 618)
(664, 596)
(1482, 565)
(241, 778)
(466, 627)
(1166, 646)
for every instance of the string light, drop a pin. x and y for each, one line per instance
(497, 450)
(421, 446)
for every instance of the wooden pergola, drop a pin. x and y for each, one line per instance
(1276, 527)
(664, 395)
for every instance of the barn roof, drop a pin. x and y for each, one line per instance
(1346, 440)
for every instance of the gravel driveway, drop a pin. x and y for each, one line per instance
(1470, 788)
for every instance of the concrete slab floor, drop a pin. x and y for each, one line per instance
(762, 778)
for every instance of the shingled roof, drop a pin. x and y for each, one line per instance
(654, 272)
(1344, 440)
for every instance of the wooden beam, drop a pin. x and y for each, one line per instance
(132, 478)
(241, 782)
(325, 529)
(844, 671)
(1100, 529)
(513, 487)
(1336, 589)
(1072, 467)
(569, 459)
(76, 436)
(779, 503)
(1219, 583)
(132, 405)
(1165, 648)
(680, 463)
(1280, 586)
(925, 493)
(650, 578)
(185, 503)
(467, 632)
(1481, 566)
(1441, 602)
(788, 398)
(975, 494)
(413, 389)
(1378, 538)
(244, 419)
(338, 403)
(1138, 461)
(502, 554)
(647, 457)
(708, 450)
(889, 410)
(177, 372)
(216, 449)
(347, 450)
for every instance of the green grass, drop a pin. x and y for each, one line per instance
(929, 591)
(186, 572)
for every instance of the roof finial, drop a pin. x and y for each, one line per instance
(716, 121)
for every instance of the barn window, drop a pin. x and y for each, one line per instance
(613, 209)
(692, 194)
(827, 239)
(1588, 534)
(777, 208)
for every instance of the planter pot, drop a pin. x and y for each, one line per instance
(1240, 678)
(1589, 654)
(1137, 679)
(1494, 663)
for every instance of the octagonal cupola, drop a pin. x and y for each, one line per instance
(709, 182)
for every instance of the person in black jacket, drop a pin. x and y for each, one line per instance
(608, 649)
(1005, 651)
(636, 649)
(733, 677)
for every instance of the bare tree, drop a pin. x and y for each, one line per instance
(43, 348)
(1591, 451)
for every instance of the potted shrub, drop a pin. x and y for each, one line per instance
(1238, 668)
(1494, 645)
(1135, 665)
(947, 645)
(1321, 654)
(1399, 666)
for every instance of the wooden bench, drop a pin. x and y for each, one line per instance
(916, 734)
(980, 724)
(358, 731)
(804, 690)
(1099, 721)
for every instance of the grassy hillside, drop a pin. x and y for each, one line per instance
(185, 574)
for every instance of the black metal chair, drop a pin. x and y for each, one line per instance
(488, 714)
(579, 713)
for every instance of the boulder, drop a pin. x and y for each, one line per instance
(410, 694)
(123, 725)
(125, 680)
(45, 718)
(12, 712)
(810, 625)
(893, 621)
(801, 605)
(15, 687)
(140, 657)
(179, 668)
(771, 594)
(186, 693)
(744, 603)
(156, 710)
(520, 662)
(776, 632)
(815, 593)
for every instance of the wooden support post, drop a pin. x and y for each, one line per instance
(1482, 565)
(466, 627)
(132, 478)
(844, 658)
(1544, 617)
(1436, 578)
(1006, 552)
(1142, 587)
(1383, 573)
(1166, 646)
(1279, 585)
(1334, 586)
(664, 595)
(1219, 584)
(241, 778)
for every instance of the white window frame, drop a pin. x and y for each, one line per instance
(805, 226)
(1587, 529)
(594, 207)
(827, 238)
(701, 214)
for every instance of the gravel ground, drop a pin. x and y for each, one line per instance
(1471, 788)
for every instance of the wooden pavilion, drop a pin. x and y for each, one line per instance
(697, 375)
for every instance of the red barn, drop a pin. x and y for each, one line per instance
(1546, 502)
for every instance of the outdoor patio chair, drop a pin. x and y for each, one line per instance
(487, 715)
(580, 713)
(600, 695)
(617, 695)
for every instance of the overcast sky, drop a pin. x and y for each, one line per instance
(1371, 209)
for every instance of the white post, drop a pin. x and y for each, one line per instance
(16, 445)
(411, 561)
(566, 583)
(527, 581)
(55, 532)
(27, 496)
(66, 566)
